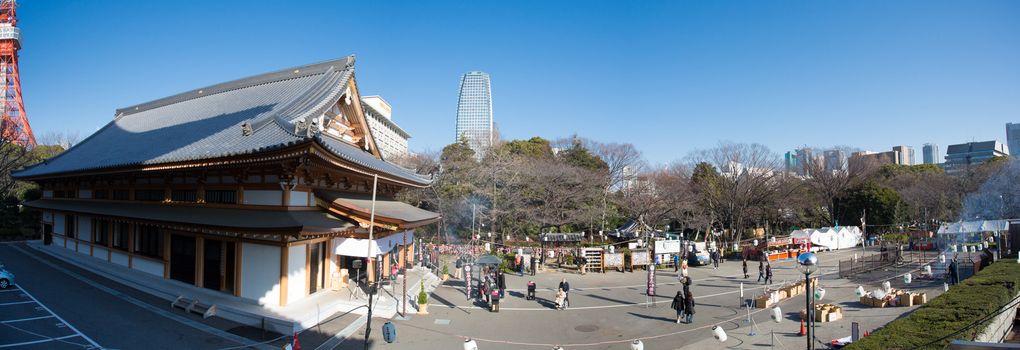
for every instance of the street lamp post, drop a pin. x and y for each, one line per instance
(808, 264)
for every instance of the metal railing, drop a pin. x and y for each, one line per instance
(850, 267)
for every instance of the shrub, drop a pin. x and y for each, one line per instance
(423, 298)
(446, 269)
(975, 298)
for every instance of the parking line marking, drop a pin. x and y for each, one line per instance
(61, 320)
(43, 341)
(7, 290)
(27, 319)
(17, 303)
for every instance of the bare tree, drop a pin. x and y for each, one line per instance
(748, 180)
(830, 183)
(65, 139)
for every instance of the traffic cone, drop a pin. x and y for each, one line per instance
(803, 331)
(296, 346)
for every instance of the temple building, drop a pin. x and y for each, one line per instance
(260, 187)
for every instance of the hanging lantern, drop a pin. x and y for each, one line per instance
(942, 259)
(755, 242)
(819, 293)
(927, 270)
(886, 286)
(906, 278)
(470, 344)
(860, 291)
(719, 333)
(945, 286)
(637, 345)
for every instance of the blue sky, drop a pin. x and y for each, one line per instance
(668, 76)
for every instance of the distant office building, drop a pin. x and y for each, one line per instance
(474, 111)
(1013, 138)
(859, 160)
(391, 139)
(963, 156)
(790, 162)
(930, 153)
(906, 155)
(835, 160)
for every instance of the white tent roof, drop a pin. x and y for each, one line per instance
(974, 226)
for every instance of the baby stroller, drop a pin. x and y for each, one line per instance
(531, 290)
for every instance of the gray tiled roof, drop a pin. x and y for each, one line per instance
(207, 123)
(384, 207)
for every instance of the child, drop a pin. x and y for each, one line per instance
(561, 298)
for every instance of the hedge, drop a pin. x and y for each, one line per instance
(973, 299)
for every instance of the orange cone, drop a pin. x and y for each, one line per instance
(296, 346)
(803, 331)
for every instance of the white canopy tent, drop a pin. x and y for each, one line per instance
(829, 237)
(978, 226)
(358, 247)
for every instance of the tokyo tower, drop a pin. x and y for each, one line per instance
(12, 109)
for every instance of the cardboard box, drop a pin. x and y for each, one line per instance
(906, 300)
(762, 302)
(821, 315)
(920, 298)
(835, 316)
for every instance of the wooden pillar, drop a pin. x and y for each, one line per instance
(109, 240)
(166, 254)
(223, 263)
(131, 244)
(370, 269)
(284, 252)
(308, 265)
(237, 267)
(92, 238)
(285, 199)
(199, 261)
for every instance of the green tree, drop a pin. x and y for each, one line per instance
(579, 156)
(883, 205)
(535, 147)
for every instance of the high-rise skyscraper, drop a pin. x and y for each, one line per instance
(474, 111)
(835, 160)
(1013, 138)
(906, 156)
(931, 155)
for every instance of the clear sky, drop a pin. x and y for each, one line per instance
(667, 76)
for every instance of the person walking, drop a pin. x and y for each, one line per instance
(746, 276)
(715, 259)
(501, 282)
(678, 304)
(565, 286)
(676, 262)
(458, 265)
(689, 306)
(761, 270)
(768, 273)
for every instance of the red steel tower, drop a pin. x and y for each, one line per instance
(12, 108)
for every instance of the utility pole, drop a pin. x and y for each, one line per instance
(368, 257)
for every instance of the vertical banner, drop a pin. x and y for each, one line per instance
(651, 280)
(467, 280)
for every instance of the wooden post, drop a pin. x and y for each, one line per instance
(238, 260)
(403, 265)
(131, 244)
(166, 254)
(284, 251)
(199, 261)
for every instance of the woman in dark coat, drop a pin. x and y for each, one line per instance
(745, 269)
(678, 304)
(689, 307)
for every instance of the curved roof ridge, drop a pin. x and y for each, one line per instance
(280, 75)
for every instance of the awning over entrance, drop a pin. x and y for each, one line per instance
(389, 213)
(359, 247)
(305, 222)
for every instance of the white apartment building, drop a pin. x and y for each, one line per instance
(391, 139)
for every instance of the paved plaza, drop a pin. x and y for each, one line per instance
(608, 310)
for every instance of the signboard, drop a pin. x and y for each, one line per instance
(638, 258)
(614, 260)
(667, 246)
(651, 281)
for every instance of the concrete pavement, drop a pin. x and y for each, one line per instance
(609, 310)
